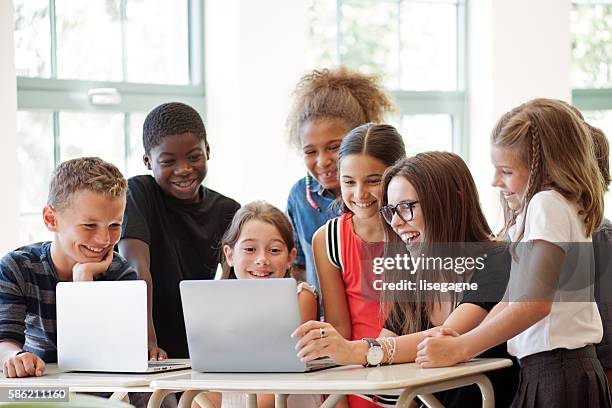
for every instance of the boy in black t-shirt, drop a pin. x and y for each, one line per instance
(173, 224)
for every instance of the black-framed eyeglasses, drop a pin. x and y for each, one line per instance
(403, 209)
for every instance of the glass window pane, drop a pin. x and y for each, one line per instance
(89, 40)
(412, 44)
(426, 132)
(591, 25)
(602, 120)
(322, 50)
(35, 160)
(428, 56)
(32, 38)
(369, 39)
(135, 164)
(157, 41)
(92, 134)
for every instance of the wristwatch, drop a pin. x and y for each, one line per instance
(375, 353)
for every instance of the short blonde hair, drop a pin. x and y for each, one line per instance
(85, 173)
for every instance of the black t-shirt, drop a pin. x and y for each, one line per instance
(183, 244)
(492, 281)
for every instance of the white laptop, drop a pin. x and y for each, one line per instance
(102, 326)
(243, 325)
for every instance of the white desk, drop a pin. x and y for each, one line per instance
(117, 383)
(339, 381)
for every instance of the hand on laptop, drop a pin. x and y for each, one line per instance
(85, 272)
(156, 353)
(320, 339)
(23, 365)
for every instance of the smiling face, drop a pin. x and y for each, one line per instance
(511, 176)
(321, 140)
(401, 190)
(361, 184)
(85, 230)
(260, 252)
(179, 165)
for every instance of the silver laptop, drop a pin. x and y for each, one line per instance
(102, 326)
(243, 325)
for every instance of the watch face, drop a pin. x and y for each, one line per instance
(375, 355)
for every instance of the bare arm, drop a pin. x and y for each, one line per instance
(137, 254)
(509, 320)
(497, 309)
(335, 306)
(463, 319)
(308, 306)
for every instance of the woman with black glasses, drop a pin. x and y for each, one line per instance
(433, 216)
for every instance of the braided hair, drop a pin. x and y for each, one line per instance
(554, 143)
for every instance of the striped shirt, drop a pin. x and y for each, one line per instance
(27, 297)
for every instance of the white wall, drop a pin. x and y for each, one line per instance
(254, 58)
(518, 50)
(8, 137)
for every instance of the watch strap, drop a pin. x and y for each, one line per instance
(372, 343)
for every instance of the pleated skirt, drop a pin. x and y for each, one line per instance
(562, 378)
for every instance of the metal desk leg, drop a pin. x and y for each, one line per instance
(187, 398)
(118, 396)
(430, 401)
(251, 401)
(158, 397)
(203, 400)
(486, 388)
(332, 400)
(483, 382)
(280, 400)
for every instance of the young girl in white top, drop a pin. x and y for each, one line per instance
(259, 245)
(553, 195)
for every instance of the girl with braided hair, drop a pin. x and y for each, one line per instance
(328, 103)
(552, 193)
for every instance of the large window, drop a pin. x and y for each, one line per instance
(591, 27)
(88, 73)
(418, 46)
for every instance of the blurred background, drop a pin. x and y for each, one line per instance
(80, 77)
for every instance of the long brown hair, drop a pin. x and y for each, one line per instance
(261, 211)
(602, 154)
(448, 200)
(342, 95)
(601, 147)
(556, 146)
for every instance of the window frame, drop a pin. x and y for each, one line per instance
(453, 103)
(592, 99)
(55, 95)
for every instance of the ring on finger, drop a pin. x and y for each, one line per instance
(321, 332)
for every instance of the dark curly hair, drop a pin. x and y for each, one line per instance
(169, 119)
